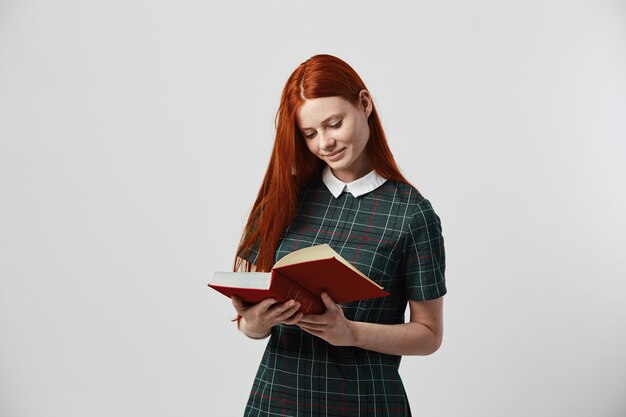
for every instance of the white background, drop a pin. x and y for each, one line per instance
(134, 136)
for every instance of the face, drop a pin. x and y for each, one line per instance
(336, 131)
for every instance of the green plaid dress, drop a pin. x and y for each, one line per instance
(391, 234)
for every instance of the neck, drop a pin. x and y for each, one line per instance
(354, 172)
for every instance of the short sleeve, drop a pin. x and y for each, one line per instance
(424, 259)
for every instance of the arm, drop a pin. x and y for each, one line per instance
(422, 335)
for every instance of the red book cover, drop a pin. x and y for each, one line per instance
(302, 275)
(275, 286)
(331, 275)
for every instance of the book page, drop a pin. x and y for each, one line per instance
(312, 253)
(260, 280)
(307, 254)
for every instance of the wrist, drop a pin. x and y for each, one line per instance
(355, 333)
(249, 336)
(253, 334)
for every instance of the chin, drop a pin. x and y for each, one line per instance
(340, 168)
(339, 165)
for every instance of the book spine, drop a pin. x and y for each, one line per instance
(309, 302)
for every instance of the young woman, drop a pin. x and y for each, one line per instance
(332, 179)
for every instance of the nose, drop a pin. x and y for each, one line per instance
(327, 141)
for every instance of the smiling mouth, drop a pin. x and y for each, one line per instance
(334, 153)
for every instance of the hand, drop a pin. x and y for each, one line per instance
(331, 326)
(261, 317)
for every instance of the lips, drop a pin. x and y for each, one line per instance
(335, 155)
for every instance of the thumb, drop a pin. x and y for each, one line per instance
(328, 302)
(237, 303)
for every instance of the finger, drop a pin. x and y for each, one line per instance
(328, 302)
(311, 331)
(294, 319)
(237, 303)
(279, 309)
(314, 319)
(312, 326)
(266, 304)
(287, 313)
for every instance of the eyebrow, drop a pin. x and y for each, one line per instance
(326, 120)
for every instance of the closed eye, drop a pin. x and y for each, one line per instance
(335, 126)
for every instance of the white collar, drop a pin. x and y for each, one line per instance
(357, 188)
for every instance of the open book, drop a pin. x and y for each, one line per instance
(301, 275)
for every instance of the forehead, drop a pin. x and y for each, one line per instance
(314, 111)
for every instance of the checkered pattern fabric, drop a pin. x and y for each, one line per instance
(391, 234)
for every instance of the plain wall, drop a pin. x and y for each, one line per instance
(134, 136)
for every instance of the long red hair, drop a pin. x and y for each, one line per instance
(292, 165)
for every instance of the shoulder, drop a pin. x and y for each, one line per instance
(415, 211)
(406, 196)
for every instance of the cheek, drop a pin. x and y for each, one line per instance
(358, 135)
(347, 134)
(366, 135)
